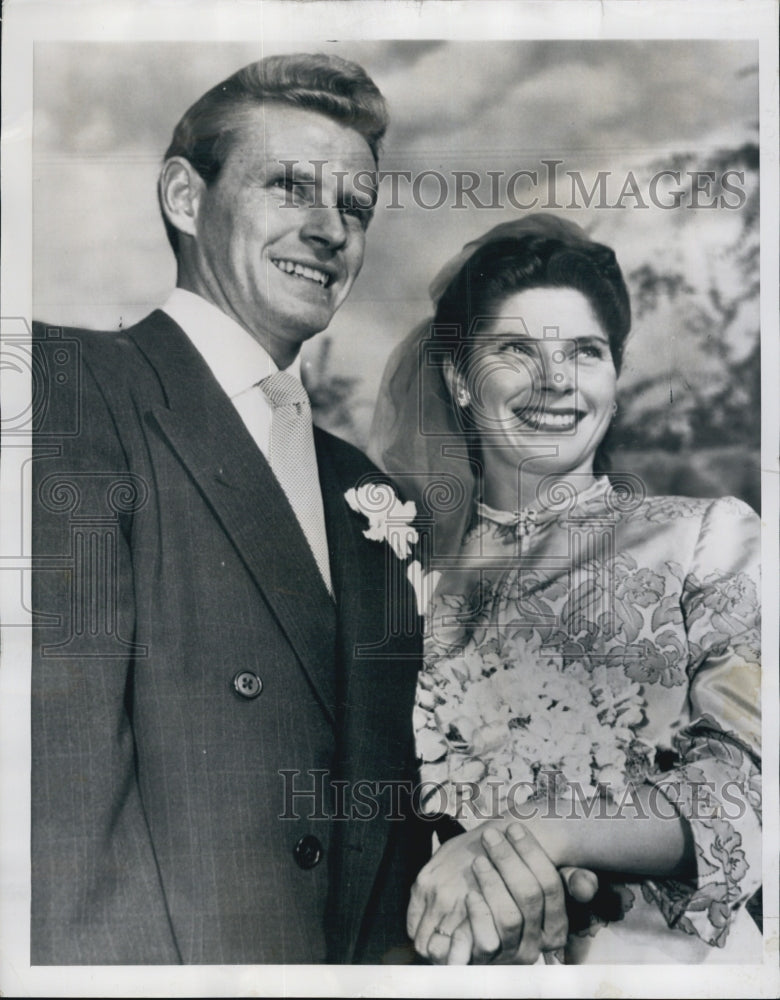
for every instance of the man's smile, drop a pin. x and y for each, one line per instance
(304, 271)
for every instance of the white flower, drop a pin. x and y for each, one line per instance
(489, 737)
(430, 745)
(514, 717)
(467, 769)
(424, 584)
(389, 520)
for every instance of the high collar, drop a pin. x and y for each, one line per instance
(564, 499)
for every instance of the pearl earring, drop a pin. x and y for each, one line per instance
(614, 409)
(463, 397)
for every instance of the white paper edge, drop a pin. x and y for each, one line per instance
(26, 21)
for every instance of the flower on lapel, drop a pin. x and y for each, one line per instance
(389, 520)
(424, 585)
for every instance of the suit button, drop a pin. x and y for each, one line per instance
(308, 852)
(247, 684)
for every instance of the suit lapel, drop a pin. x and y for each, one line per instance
(342, 541)
(375, 697)
(201, 426)
(370, 697)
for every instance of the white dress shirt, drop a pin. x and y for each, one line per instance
(235, 359)
(238, 362)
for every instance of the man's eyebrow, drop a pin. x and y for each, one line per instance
(295, 171)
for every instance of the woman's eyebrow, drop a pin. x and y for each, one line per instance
(585, 338)
(502, 338)
(594, 338)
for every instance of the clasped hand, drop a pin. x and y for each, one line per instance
(493, 895)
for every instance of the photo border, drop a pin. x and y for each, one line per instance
(27, 22)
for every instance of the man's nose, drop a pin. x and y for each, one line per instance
(324, 227)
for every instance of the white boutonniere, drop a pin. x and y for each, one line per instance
(390, 520)
(424, 585)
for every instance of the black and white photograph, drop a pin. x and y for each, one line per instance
(390, 499)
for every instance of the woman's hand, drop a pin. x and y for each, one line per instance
(484, 897)
(439, 893)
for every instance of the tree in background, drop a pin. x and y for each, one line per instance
(701, 435)
(693, 427)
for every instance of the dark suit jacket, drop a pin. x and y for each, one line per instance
(169, 567)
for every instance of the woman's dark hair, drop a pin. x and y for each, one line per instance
(334, 87)
(505, 266)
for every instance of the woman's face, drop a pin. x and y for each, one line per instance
(541, 382)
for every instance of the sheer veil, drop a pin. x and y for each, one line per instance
(418, 436)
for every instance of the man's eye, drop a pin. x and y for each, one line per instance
(297, 191)
(358, 213)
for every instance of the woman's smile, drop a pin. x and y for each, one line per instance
(541, 383)
(548, 421)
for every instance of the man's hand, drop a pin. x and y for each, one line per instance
(486, 897)
(521, 909)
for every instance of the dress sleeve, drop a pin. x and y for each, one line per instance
(715, 783)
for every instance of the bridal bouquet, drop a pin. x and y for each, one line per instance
(516, 724)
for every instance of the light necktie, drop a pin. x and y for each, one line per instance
(294, 461)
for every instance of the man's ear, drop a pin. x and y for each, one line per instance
(181, 188)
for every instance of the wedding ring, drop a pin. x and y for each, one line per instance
(442, 932)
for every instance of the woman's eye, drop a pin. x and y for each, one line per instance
(591, 350)
(519, 347)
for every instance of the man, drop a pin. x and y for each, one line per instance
(223, 664)
(212, 651)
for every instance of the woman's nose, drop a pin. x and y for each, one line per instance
(560, 369)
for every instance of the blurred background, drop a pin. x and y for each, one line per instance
(689, 416)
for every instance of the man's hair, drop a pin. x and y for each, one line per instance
(334, 87)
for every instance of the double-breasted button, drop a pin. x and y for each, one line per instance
(247, 684)
(308, 851)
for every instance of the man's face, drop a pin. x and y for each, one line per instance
(276, 253)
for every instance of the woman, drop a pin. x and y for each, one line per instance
(592, 654)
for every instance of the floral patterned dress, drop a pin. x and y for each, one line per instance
(606, 641)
